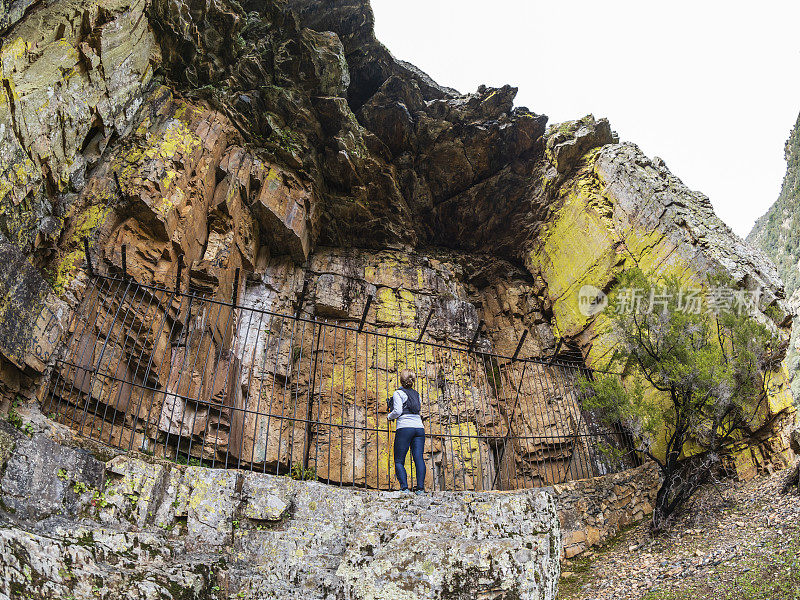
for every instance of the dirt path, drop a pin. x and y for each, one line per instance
(738, 542)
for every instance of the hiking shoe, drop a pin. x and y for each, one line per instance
(420, 492)
(405, 491)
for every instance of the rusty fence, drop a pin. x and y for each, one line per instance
(197, 380)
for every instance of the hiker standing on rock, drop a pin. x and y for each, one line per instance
(409, 433)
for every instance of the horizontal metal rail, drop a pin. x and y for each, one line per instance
(197, 379)
(571, 360)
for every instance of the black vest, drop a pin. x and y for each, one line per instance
(412, 405)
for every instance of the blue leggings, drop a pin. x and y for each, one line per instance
(413, 437)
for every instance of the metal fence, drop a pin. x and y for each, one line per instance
(202, 381)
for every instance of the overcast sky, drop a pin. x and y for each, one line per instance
(711, 87)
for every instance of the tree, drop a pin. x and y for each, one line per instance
(693, 385)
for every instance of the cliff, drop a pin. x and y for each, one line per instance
(777, 234)
(284, 140)
(281, 141)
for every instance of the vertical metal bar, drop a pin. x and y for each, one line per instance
(318, 423)
(75, 342)
(389, 444)
(258, 413)
(590, 444)
(316, 334)
(330, 405)
(341, 428)
(543, 438)
(447, 422)
(500, 375)
(184, 341)
(218, 354)
(91, 347)
(537, 422)
(295, 393)
(425, 326)
(573, 407)
(230, 354)
(558, 417)
(459, 419)
(472, 392)
(364, 314)
(190, 329)
(378, 430)
(517, 440)
(514, 388)
(102, 352)
(186, 333)
(511, 418)
(475, 337)
(91, 385)
(463, 397)
(422, 381)
(557, 412)
(410, 472)
(355, 406)
(271, 412)
(233, 353)
(444, 420)
(155, 334)
(89, 266)
(283, 401)
(487, 391)
(492, 401)
(366, 410)
(167, 364)
(124, 261)
(423, 397)
(80, 319)
(243, 409)
(125, 337)
(142, 390)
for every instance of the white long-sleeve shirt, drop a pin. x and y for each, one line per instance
(409, 420)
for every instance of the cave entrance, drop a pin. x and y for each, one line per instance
(202, 381)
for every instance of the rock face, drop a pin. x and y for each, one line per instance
(776, 235)
(282, 141)
(132, 529)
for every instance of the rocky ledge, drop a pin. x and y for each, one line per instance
(78, 523)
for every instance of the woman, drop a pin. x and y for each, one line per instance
(409, 432)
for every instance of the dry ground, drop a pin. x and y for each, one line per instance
(738, 541)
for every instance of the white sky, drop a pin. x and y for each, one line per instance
(711, 87)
